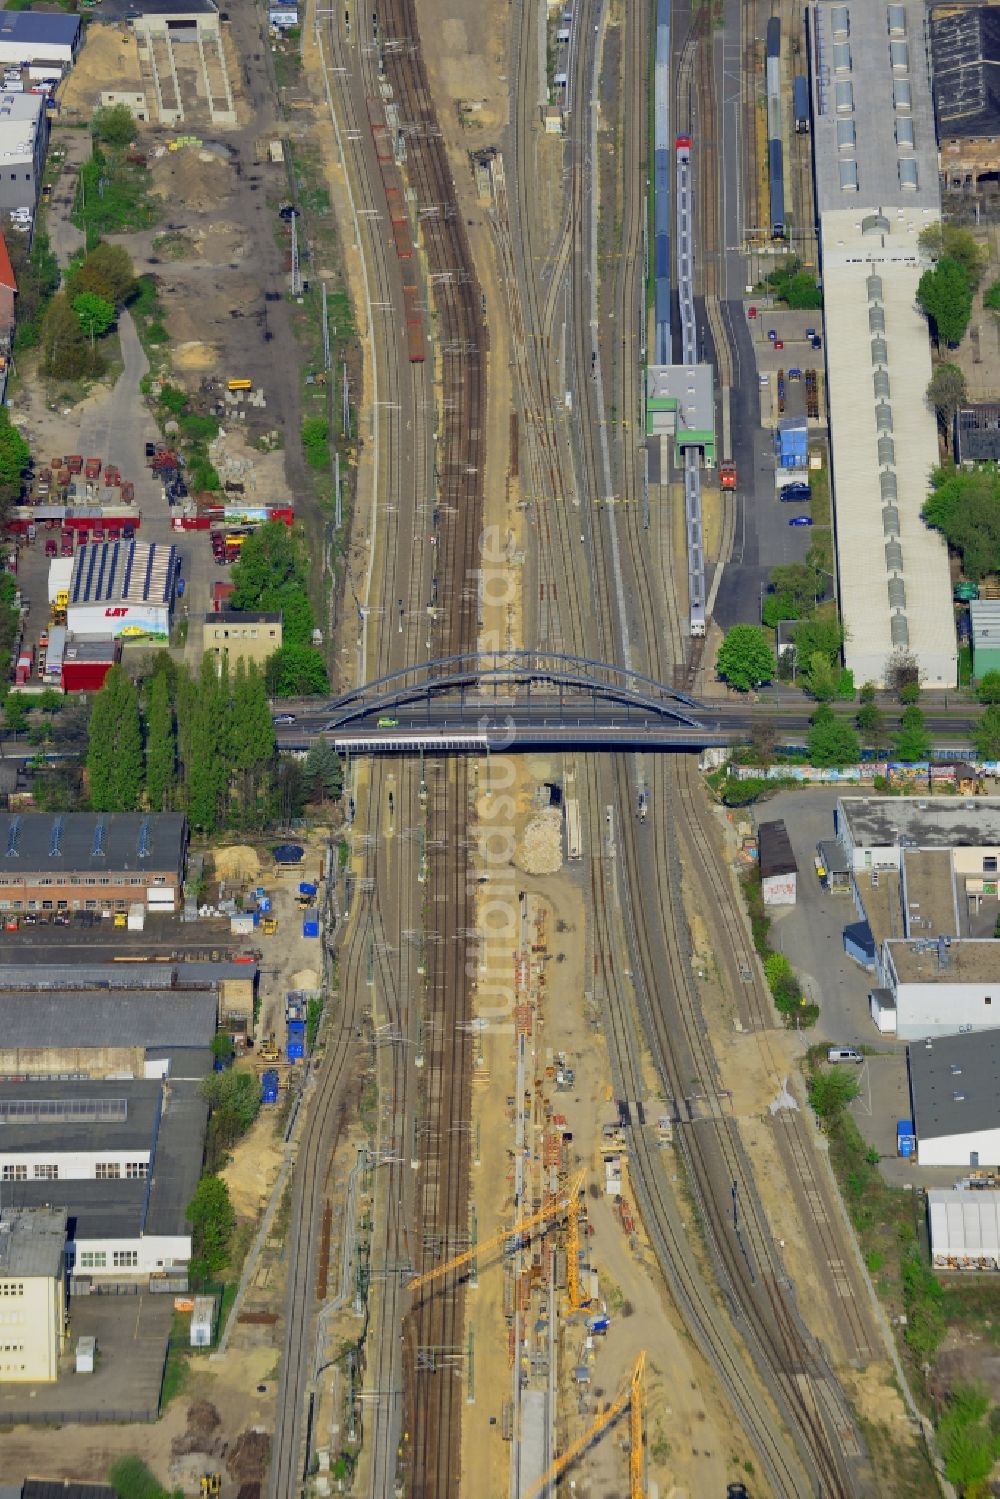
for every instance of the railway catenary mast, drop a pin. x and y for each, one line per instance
(775, 150)
(689, 357)
(661, 184)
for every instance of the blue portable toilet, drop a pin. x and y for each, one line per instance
(906, 1139)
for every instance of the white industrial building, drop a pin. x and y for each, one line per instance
(122, 588)
(964, 1228)
(940, 988)
(876, 189)
(32, 1294)
(955, 1100)
(121, 1157)
(876, 832)
(24, 134)
(34, 36)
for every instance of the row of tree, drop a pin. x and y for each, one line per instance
(94, 288)
(946, 289)
(201, 745)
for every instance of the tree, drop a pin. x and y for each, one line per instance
(15, 712)
(946, 393)
(913, 742)
(324, 772)
(871, 722)
(204, 716)
(832, 740)
(114, 754)
(252, 747)
(96, 314)
(296, 671)
(958, 243)
(901, 671)
(15, 455)
(800, 581)
(113, 125)
(820, 678)
(234, 1099)
(108, 271)
(290, 790)
(988, 687)
(823, 633)
(945, 295)
(830, 1090)
(745, 659)
(161, 743)
(969, 1442)
(66, 354)
(986, 734)
(867, 692)
(210, 1213)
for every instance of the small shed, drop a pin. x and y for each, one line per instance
(836, 869)
(882, 1007)
(86, 1352)
(202, 1321)
(965, 1229)
(778, 870)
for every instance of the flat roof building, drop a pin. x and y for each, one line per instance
(122, 1157)
(104, 861)
(955, 1095)
(680, 404)
(875, 155)
(39, 36)
(977, 433)
(83, 1033)
(24, 134)
(32, 1292)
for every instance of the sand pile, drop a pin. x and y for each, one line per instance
(107, 61)
(540, 848)
(237, 862)
(198, 180)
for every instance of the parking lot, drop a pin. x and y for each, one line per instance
(132, 1334)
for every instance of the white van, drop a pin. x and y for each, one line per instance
(844, 1054)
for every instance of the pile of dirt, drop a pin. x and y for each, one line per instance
(198, 180)
(540, 848)
(195, 356)
(203, 1421)
(236, 863)
(222, 243)
(248, 1457)
(306, 978)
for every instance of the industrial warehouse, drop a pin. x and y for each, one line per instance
(82, 861)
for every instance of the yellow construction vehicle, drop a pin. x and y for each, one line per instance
(269, 926)
(631, 1396)
(267, 1051)
(211, 1483)
(565, 1202)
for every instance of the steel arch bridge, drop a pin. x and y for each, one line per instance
(538, 678)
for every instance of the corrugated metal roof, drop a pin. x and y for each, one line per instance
(32, 1243)
(88, 1019)
(984, 616)
(38, 26)
(103, 842)
(123, 572)
(963, 1222)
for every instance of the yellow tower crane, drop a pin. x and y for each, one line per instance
(631, 1396)
(565, 1201)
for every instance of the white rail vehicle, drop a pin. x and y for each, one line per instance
(689, 355)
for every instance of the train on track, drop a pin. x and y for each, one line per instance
(661, 185)
(402, 233)
(775, 148)
(684, 233)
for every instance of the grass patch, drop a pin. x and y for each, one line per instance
(112, 196)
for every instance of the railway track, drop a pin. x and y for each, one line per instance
(433, 1403)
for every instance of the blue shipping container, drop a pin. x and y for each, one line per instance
(264, 904)
(310, 923)
(269, 1087)
(306, 889)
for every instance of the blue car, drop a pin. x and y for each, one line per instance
(801, 520)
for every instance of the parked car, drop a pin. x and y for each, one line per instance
(795, 491)
(50, 547)
(283, 720)
(801, 520)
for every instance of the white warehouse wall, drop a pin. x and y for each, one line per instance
(978, 1148)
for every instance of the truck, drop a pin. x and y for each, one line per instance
(295, 1045)
(74, 462)
(727, 474)
(269, 1086)
(25, 664)
(92, 469)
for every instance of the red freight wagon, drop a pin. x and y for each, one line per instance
(414, 326)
